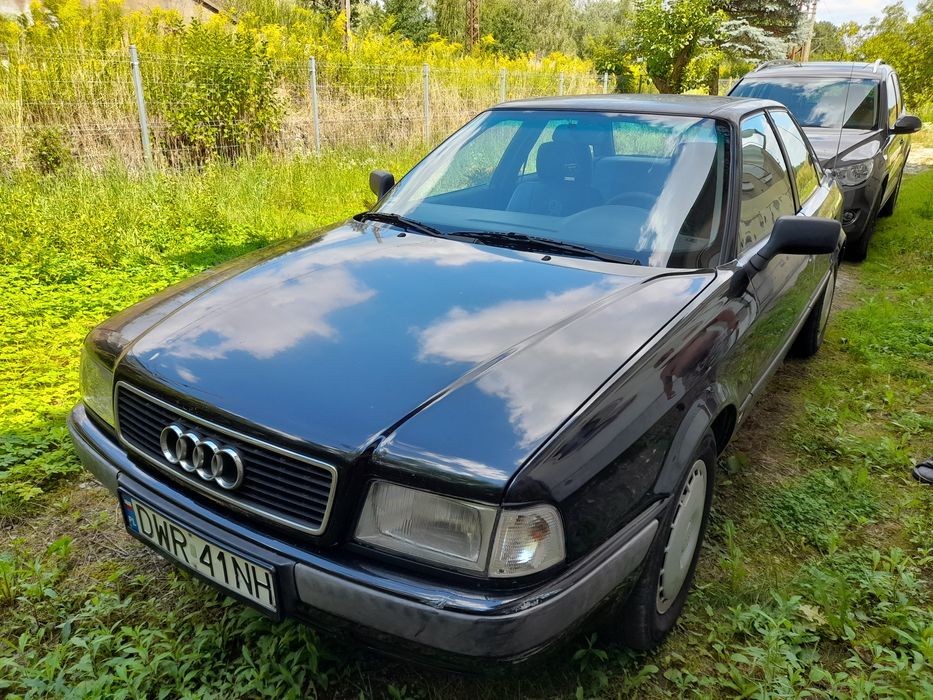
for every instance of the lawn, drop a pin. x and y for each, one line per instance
(816, 579)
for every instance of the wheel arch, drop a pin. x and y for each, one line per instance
(706, 414)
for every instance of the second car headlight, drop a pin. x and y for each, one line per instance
(855, 174)
(97, 385)
(461, 534)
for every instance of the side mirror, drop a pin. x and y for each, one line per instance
(908, 124)
(380, 182)
(798, 235)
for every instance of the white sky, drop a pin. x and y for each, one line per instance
(839, 11)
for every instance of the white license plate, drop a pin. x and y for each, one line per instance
(252, 581)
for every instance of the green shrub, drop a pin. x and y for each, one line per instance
(221, 102)
(48, 151)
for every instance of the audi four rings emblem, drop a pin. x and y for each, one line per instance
(201, 456)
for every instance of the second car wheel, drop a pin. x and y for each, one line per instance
(656, 601)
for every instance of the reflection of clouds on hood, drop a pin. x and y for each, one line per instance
(273, 307)
(545, 382)
(280, 316)
(473, 336)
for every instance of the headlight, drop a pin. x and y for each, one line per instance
(460, 534)
(855, 174)
(97, 386)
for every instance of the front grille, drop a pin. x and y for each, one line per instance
(279, 485)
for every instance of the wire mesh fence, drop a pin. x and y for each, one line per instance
(105, 108)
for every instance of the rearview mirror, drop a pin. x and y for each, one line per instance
(908, 124)
(799, 235)
(380, 182)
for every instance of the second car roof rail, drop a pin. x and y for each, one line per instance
(776, 62)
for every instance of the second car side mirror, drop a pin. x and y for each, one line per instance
(907, 124)
(798, 235)
(380, 182)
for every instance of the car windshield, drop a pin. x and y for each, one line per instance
(831, 103)
(650, 188)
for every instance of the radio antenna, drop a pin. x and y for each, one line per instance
(842, 124)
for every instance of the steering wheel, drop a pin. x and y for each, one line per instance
(634, 198)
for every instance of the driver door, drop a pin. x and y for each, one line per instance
(780, 292)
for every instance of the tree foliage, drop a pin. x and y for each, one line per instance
(895, 37)
(668, 34)
(906, 44)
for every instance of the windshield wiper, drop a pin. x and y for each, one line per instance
(398, 220)
(511, 239)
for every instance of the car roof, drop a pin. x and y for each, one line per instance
(728, 108)
(822, 69)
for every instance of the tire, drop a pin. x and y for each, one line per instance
(891, 204)
(650, 612)
(810, 337)
(856, 250)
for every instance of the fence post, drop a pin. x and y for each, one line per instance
(141, 105)
(427, 104)
(561, 90)
(502, 85)
(606, 82)
(312, 67)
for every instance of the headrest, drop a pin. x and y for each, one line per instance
(565, 160)
(568, 132)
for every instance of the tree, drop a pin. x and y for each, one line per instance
(828, 44)
(668, 35)
(905, 44)
(508, 24)
(518, 26)
(409, 18)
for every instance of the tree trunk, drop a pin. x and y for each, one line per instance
(676, 82)
(712, 80)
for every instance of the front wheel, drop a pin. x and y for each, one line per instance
(659, 595)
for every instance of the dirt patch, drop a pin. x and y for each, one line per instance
(89, 514)
(846, 283)
(921, 158)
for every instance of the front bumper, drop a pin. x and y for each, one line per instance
(859, 204)
(331, 587)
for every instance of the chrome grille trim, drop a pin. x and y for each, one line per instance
(257, 450)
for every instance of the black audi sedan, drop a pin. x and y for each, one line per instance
(853, 114)
(488, 411)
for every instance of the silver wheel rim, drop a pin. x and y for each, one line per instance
(683, 537)
(827, 304)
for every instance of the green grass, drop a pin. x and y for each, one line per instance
(815, 580)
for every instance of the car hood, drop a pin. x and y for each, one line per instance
(358, 335)
(850, 144)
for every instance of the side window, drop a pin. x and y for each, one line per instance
(766, 189)
(806, 171)
(892, 100)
